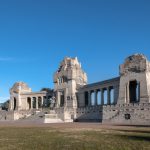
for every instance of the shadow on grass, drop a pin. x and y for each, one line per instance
(138, 126)
(135, 131)
(135, 137)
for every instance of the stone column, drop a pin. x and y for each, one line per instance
(95, 97)
(41, 101)
(125, 93)
(113, 96)
(31, 102)
(128, 94)
(108, 96)
(18, 102)
(89, 98)
(138, 86)
(57, 99)
(11, 103)
(102, 97)
(36, 102)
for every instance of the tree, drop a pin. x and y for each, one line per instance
(49, 90)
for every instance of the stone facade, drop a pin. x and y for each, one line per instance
(22, 98)
(121, 100)
(67, 81)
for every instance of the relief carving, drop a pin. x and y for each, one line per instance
(136, 63)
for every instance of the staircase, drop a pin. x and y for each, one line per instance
(52, 117)
(37, 116)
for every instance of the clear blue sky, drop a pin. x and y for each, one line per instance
(35, 35)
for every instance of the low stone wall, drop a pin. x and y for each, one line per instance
(3, 115)
(89, 114)
(66, 114)
(6, 115)
(22, 114)
(130, 114)
(14, 115)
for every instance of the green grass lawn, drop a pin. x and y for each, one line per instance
(46, 138)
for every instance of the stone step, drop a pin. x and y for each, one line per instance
(52, 112)
(52, 118)
(49, 120)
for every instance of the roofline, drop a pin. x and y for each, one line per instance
(33, 93)
(102, 82)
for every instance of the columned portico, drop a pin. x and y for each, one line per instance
(104, 93)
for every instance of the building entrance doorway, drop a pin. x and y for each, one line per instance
(134, 91)
(62, 98)
(15, 103)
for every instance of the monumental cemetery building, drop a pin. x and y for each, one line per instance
(121, 100)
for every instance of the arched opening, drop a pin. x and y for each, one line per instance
(86, 98)
(134, 91)
(28, 103)
(15, 103)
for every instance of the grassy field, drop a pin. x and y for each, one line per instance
(51, 138)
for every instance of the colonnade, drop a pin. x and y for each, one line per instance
(103, 96)
(35, 102)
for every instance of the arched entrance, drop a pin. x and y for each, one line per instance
(134, 91)
(28, 103)
(15, 103)
(62, 99)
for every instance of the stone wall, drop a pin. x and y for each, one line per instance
(130, 114)
(89, 114)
